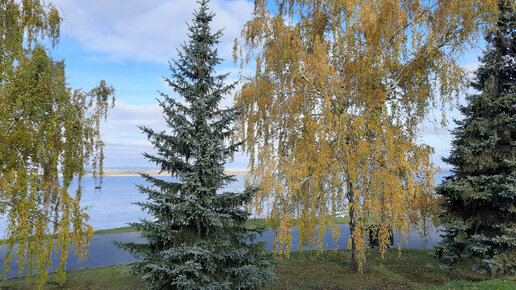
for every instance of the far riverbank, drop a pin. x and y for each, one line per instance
(156, 172)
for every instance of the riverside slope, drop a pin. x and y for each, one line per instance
(102, 252)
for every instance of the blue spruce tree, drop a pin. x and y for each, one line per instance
(479, 199)
(198, 238)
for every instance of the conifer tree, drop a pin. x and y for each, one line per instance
(198, 238)
(479, 217)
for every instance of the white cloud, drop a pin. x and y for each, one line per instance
(440, 137)
(471, 67)
(148, 30)
(125, 142)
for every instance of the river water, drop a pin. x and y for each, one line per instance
(113, 206)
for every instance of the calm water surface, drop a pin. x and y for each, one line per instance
(113, 205)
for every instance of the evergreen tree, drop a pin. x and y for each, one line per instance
(479, 199)
(198, 238)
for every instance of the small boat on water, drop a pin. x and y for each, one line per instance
(98, 187)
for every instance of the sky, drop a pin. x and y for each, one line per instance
(128, 43)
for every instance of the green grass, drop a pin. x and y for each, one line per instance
(109, 277)
(250, 222)
(327, 269)
(500, 283)
(116, 230)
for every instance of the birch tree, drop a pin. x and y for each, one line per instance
(333, 111)
(46, 129)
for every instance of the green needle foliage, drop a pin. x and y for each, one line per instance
(198, 238)
(480, 197)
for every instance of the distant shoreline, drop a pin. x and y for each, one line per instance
(155, 172)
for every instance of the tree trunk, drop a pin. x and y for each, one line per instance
(352, 223)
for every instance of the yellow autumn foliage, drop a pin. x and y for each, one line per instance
(49, 134)
(333, 111)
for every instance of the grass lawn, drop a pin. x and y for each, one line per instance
(505, 283)
(329, 270)
(250, 222)
(312, 270)
(253, 222)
